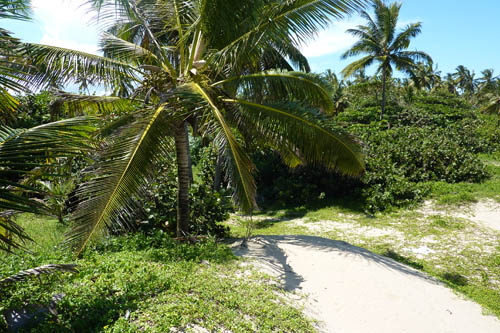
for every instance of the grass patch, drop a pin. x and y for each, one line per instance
(465, 193)
(446, 222)
(152, 283)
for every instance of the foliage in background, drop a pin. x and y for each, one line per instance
(208, 207)
(435, 137)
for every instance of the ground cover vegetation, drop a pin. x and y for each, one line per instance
(209, 117)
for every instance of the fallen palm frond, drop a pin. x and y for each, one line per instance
(47, 269)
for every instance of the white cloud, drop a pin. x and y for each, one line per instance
(67, 23)
(332, 40)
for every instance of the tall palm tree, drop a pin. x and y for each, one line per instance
(381, 42)
(201, 62)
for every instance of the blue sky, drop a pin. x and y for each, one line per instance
(455, 32)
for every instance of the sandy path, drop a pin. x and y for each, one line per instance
(353, 290)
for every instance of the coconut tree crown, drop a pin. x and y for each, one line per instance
(200, 64)
(381, 43)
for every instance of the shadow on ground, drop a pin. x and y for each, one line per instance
(273, 259)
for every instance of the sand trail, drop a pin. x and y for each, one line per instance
(351, 290)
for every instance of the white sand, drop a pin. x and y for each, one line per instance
(485, 213)
(353, 290)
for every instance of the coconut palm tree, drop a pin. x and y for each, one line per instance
(426, 76)
(14, 10)
(381, 43)
(203, 64)
(336, 91)
(488, 82)
(464, 78)
(449, 84)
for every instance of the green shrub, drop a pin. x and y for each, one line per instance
(207, 207)
(280, 186)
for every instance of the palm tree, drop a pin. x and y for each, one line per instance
(186, 65)
(488, 82)
(450, 84)
(464, 79)
(336, 91)
(381, 43)
(14, 10)
(426, 76)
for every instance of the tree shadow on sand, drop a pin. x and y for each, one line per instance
(274, 260)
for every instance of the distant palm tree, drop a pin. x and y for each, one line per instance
(488, 82)
(449, 84)
(336, 91)
(378, 39)
(465, 80)
(426, 76)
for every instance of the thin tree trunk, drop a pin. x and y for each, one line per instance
(190, 162)
(384, 78)
(182, 150)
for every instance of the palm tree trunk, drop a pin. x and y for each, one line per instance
(218, 172)
(384, 79)
(182, 150)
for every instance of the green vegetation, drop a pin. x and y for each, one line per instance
(206, 117)
(160, 284)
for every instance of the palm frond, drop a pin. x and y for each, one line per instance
(95, 105)
(127, 163)
(300, 20)
(12, 236)
(245, 188)
(318, 144)
(402, 40)
(42, 270)
(59, 65)
(296, 85)
(21, 150)
(122, 50)
(362, 63)
(15, 10)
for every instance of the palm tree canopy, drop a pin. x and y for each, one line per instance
(203, 60)
(381, 43)
(15, 10)
(465, 79)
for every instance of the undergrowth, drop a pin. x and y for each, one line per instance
(152, 283)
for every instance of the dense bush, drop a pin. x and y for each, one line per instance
(33, 110)
(207, 207)
(434, 138)
(400, 160)
(278, 185)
